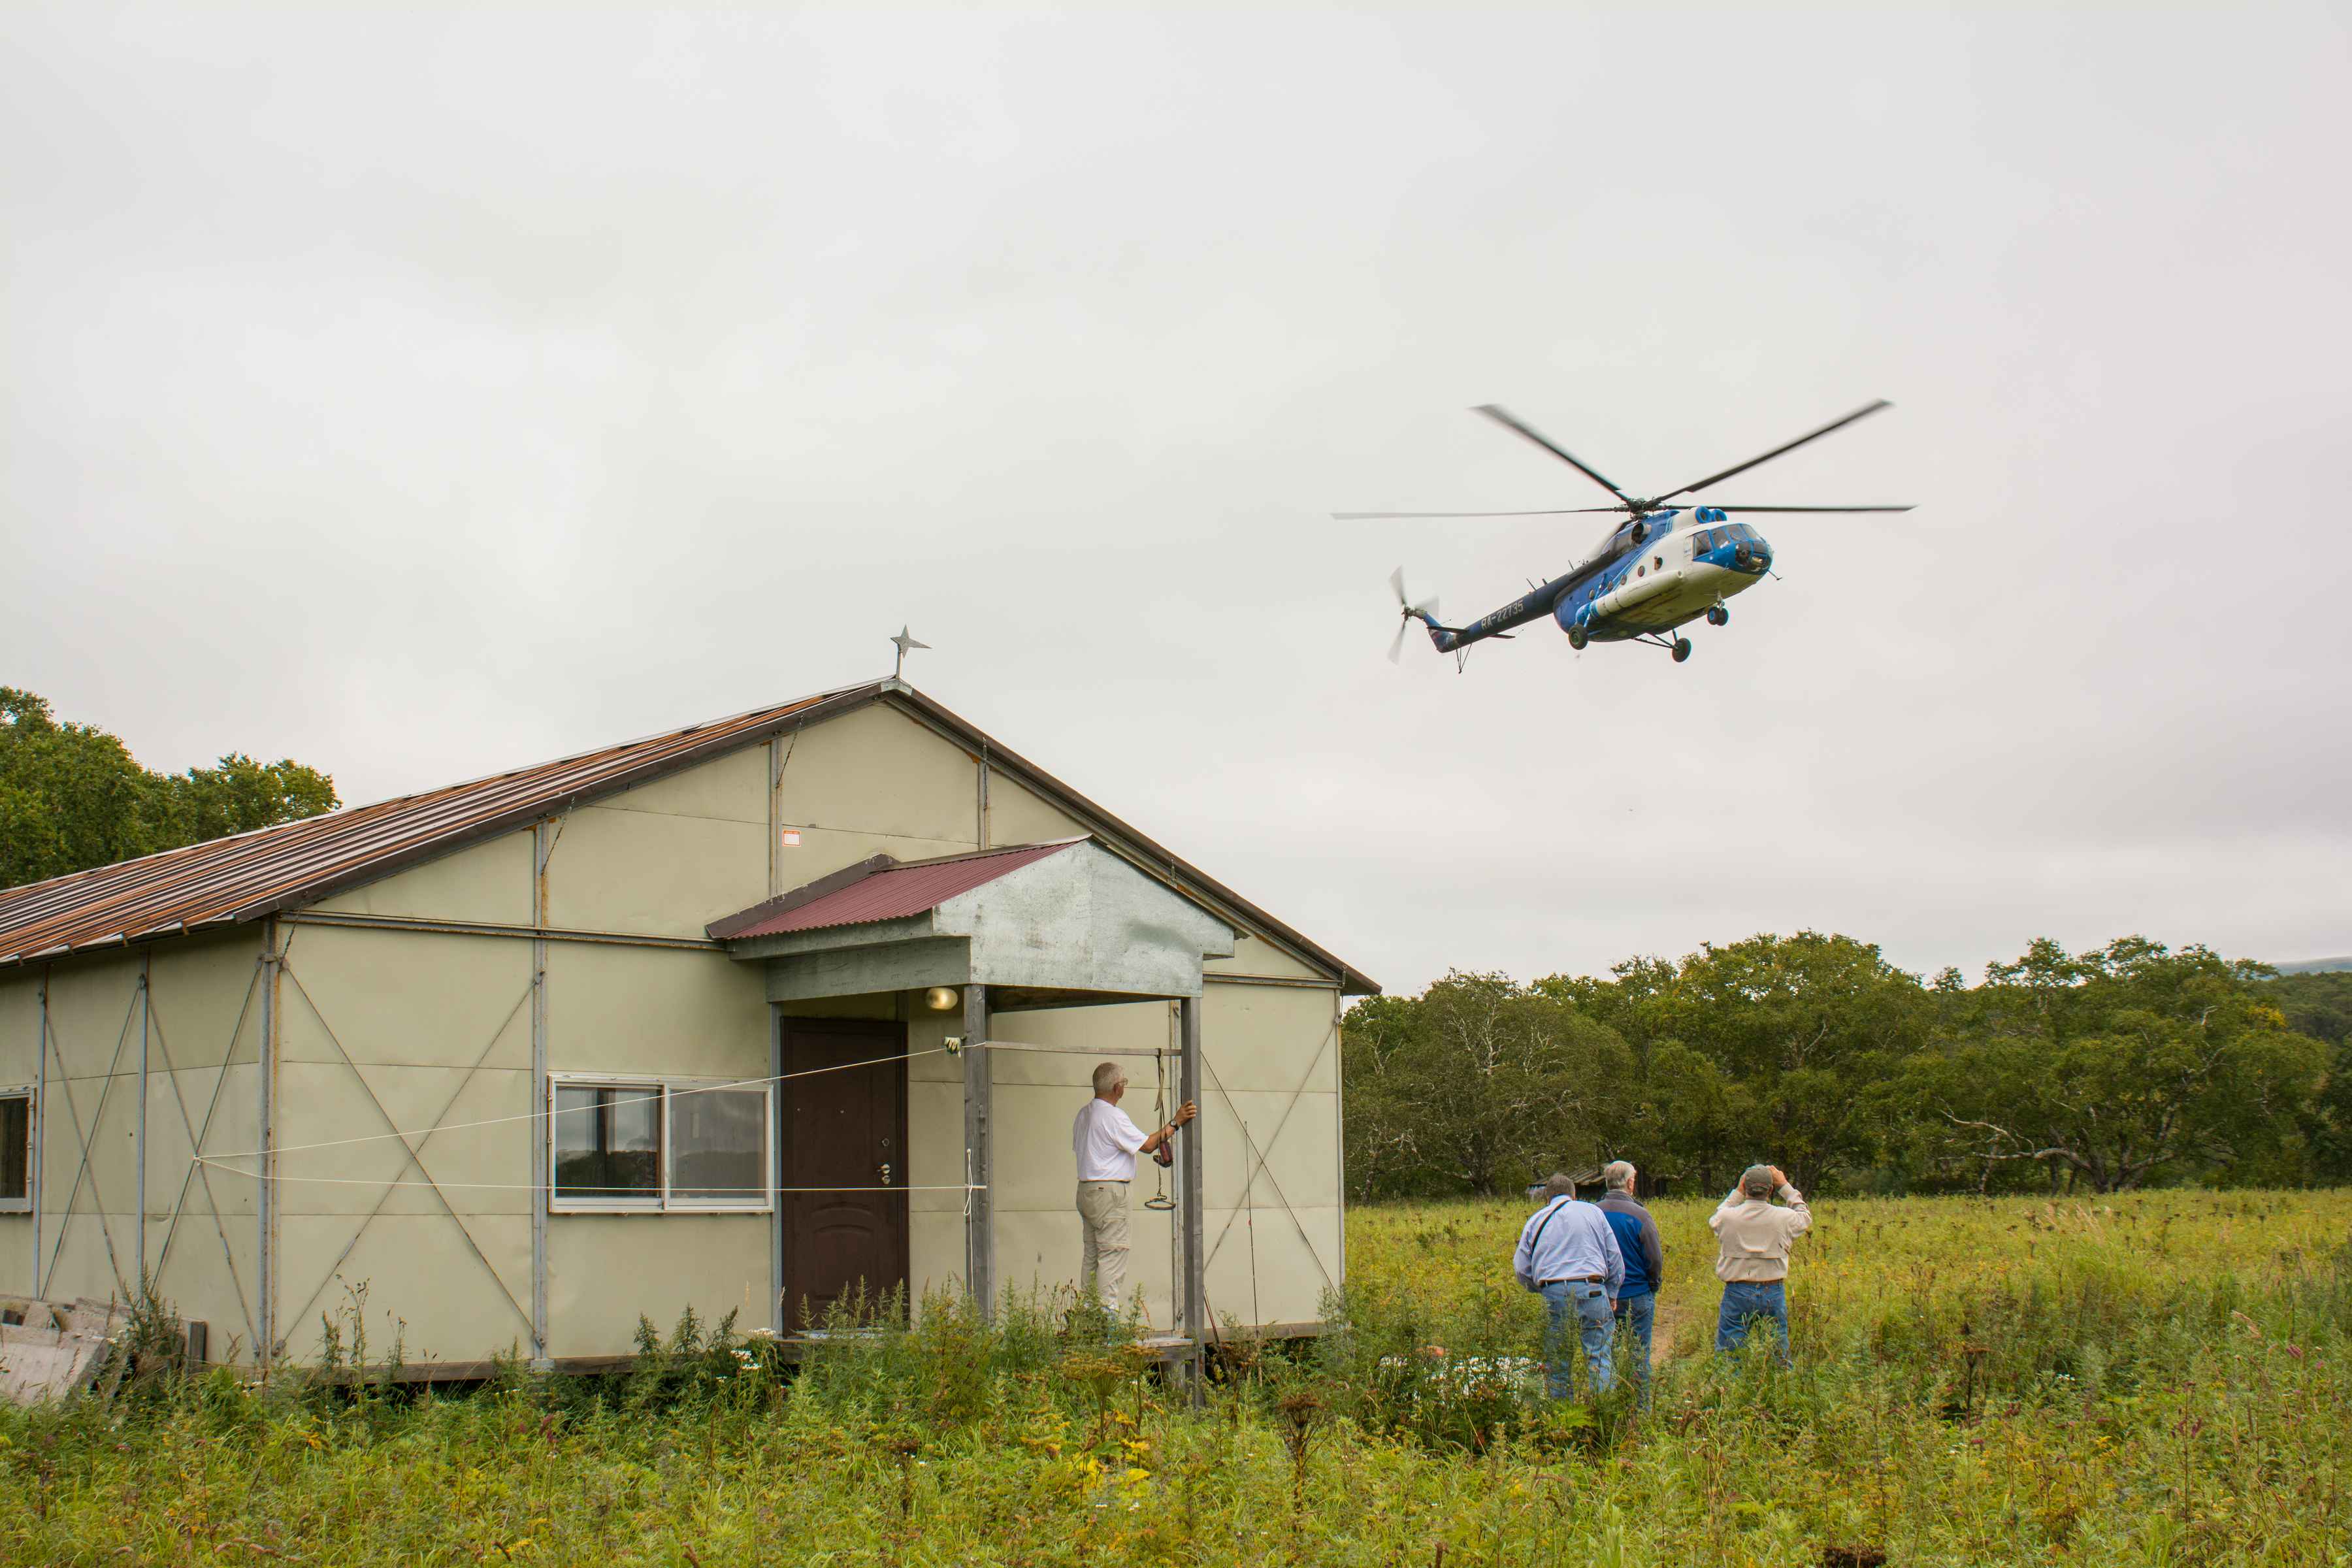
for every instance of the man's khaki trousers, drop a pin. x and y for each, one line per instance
(1102, 1265)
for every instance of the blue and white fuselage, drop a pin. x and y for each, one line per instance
(1650, 576)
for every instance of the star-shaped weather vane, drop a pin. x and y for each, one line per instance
(904, 643)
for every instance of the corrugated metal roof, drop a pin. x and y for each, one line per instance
(881, 890)
(258, 873)
(275, 868)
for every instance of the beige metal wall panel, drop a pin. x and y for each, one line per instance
(480, 1170)
(1037, 1252)
(81, 1267)
(1017, 817)
(1258, 956)
(1264, 1271)
(731, 788)
(216, 1217)
(617, 869)
(16, 1265)
(20, 1026)
(205, 994)
(877, 771)
(406, 998)
(204, 1267)
(94, 1018)
(654, 1010)
(934, 1252)
(1270, 1038)
(1297, 1144)
(417, 1270)
(177, 1107)
(489, 884)
(1137, 1027)
(604, 1270)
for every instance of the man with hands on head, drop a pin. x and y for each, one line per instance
(1753, 1236)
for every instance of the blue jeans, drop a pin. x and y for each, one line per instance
(1588, 1305)
(1635, 1316)
(1745, 1304)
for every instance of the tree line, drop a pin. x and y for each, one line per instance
(2121, 1067)
(72, 797)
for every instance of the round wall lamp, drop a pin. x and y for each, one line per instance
(942, 998)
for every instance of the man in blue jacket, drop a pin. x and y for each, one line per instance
(1646, 1260)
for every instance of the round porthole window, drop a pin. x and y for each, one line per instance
(1641, 571)
(1660, 562)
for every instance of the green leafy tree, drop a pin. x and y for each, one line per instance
(72, 797)
(2116, 1067)
(1803, 1026)
(1478, 1085)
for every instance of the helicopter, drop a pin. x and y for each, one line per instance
(1664, 566)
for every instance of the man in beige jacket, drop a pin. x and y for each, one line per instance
(1753, 1236)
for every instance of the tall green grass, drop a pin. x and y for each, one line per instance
(2162, 1380)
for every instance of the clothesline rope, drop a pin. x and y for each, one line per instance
(562, 1198)
(535, 1115)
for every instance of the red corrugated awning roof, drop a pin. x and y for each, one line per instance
(881, 889)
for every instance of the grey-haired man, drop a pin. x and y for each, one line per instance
(1106, 1143)
(1753, 1236)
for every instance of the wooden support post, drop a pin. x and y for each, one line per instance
(1193, 1315)
(979, 1232)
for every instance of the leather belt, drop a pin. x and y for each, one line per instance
(1576, 1279)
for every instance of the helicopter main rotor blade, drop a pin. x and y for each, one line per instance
(1552, 511)
(1503, 418)
(1725, 506)
(1862, 413)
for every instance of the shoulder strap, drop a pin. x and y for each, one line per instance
(1549, 1215)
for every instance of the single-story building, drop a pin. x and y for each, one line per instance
(740, 1018)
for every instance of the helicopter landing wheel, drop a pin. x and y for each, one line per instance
(1682, 650)
(1577, 638)
(1716, 616)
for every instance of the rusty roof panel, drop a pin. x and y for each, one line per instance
(274, 868)
(884, 892)
(259, 873)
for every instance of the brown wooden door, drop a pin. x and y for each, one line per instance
(843, 1130)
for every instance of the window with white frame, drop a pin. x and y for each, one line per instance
(15, 1151)
(627, 1145)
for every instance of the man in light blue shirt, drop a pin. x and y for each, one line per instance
(1568, 1252)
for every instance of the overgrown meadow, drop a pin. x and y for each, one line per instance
(2160, 1378)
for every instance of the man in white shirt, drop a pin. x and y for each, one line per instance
(1106, 1143)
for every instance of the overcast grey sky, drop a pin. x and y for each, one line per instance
(418, 392)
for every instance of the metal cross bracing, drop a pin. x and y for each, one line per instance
(196, 1167)
(411, 1150)
(421, 1138)
(1259, 1164)
(85, 1138)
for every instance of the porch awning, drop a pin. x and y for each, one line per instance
(1067, 923)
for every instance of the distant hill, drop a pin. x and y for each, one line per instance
(2315, 966)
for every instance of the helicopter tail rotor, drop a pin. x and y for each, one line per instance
(1408, 612)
